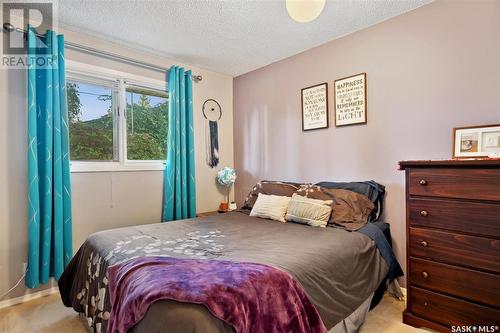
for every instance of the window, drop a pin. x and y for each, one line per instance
(92, 121)
(102, 137)
(146, 124)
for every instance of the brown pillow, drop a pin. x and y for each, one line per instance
(349, 209)
(270, 188)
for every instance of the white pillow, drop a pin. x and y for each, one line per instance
(313, 212)
(271, 207)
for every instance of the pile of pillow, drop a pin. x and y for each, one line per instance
(309, 204)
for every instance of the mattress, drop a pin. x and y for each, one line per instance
(338, 269)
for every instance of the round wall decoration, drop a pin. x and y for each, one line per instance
(213, 113)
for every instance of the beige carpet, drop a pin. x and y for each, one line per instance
(48, 314)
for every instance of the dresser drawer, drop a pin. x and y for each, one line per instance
(453, 248)
(472, 217)
(481, 184)
(450, 311)
(456, 281)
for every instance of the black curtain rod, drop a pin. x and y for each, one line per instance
(89, 50)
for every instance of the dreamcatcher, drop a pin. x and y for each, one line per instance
(212, 113)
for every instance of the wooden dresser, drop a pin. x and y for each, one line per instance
(453, 243)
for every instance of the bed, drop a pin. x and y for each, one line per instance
(339, 270)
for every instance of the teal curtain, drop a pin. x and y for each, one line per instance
(49, 190)
(179, 195)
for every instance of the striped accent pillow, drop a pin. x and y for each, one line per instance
(269, 187)
(270, 207)
(313, 212)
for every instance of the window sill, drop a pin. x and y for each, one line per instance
(89, 167)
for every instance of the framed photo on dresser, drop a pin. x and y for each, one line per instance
(476, 141)
(314, 101)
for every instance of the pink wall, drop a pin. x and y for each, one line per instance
(430, 70)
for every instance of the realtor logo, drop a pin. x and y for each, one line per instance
(16, 16)
(38, 14)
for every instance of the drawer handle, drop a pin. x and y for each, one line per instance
(426, 303)
(423, 243)
(423, 182)
(424, 213)
(425, 275)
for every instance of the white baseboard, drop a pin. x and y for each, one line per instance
(28, 297)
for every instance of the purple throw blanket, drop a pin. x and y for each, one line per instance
(253, 298)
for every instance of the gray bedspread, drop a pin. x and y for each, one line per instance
(338, 269)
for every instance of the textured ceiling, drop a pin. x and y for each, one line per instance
(231, 36)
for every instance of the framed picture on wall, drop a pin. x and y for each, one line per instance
(350, 100)
(314, 101)
(476, 141)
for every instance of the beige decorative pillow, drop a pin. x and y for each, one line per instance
(313, 212)
(270, 207)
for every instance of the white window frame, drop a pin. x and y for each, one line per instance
(75, 71)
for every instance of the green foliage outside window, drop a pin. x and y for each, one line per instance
(147, 123)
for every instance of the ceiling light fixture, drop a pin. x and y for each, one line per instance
(304, 11)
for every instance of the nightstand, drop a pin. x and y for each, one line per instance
(205, 214)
